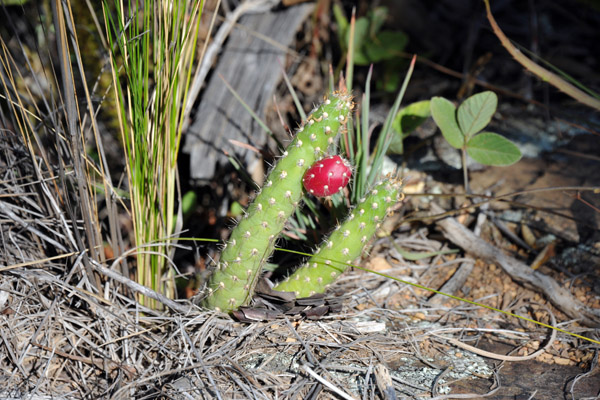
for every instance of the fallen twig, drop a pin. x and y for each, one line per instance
(326, 383)
(503, 357)
(103, 363)
(453, 284)
(181, 308)
(538, 70)
(520, 272)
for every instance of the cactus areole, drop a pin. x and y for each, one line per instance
(328, 176)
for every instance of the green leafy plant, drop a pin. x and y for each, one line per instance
(152, 53)
(373, 44)
(253, 240)
(406, 121)
(462, 129)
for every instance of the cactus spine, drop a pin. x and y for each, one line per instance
(346, 243)
(253, 239)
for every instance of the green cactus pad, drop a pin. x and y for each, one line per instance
(253, 239)
(346, 243)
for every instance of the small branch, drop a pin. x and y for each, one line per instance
(326, 383)
(453, 284)
(537, 69)
(136, 287)
(503, 357)
(518, 271)
(103, 363)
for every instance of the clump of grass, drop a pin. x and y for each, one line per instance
(152, 53)
(47, 121)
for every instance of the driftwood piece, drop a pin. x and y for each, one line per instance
(249, 63)
(518, 271)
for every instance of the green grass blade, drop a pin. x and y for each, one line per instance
(387, 134)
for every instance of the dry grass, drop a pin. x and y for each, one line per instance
(58, 338)
(62, 337)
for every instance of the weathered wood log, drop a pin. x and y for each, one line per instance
(250, 65)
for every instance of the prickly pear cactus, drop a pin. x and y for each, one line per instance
(346, 243)
(253, 239)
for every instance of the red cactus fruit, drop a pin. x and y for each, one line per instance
(328, 176)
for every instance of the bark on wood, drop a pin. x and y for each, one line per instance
(250, 65)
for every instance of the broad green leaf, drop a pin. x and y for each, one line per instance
(236, 209)
(189, 202)
(410, 117)
(188, 206)
(390, 80)
(386, 45)
(489, 148)
(406, 121)
(360, 58)
(476, 112)
(444, 115)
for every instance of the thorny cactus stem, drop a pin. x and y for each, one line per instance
(253, 239)
(346, 243)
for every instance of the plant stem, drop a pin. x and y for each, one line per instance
(537, 69)
(463, 152)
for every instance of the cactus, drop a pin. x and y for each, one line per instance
(253, 239)
(346, 243)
